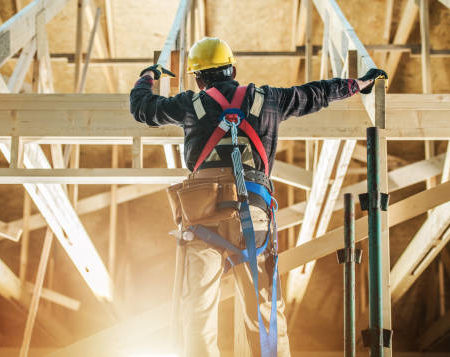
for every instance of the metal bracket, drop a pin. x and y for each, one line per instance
(346, 255)
(377, 337)
(381, 201)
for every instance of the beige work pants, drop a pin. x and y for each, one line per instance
(201, 294)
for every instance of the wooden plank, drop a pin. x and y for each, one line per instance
(90, 204)
(93, 176)
(16, 80)
(404, 29)
(82, 83)
(387, 29)
(16, 152)
(94, 116)
(137, 153)
(423, 248)
(113, 217)
(20, 29)
(297, 279)
(100, 46)
(24, 243)
(11, 232)
(445, 3)
(308, 43)
(78, 43)
(48, 240)
(343, 38)
(61, 217)
(292, 175)
(55, 297)
(43, 56)
(425, 44)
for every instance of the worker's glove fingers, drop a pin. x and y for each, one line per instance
(158, 71)
(371, 75)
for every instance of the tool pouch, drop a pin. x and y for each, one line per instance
(203, 201)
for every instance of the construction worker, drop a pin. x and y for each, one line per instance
(254, 115)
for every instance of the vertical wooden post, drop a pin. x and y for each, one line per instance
(25, 238)
(308, 43)
(36, 293)
(78, 44)
(16, 152)
(74, 164)
(113, 217)
(137, 153)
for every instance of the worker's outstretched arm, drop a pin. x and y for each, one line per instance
(312, 96)
(153, 109)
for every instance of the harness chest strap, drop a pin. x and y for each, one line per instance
(222, 129)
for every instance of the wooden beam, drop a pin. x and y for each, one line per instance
(445, 3)
(409, 116)
(113, 217)
(82, 83)
(387, 28)
(292, 175)
(43, 56)
(40, 275)
(360, 154)
(100, 46)
(11, 232)
(93, 176)
(423, 248)
(51, 200)
(16, 80)
(343, 38)
(404, 29)
(20, 29)
(24, 243)
(78, 43)
(91, 204)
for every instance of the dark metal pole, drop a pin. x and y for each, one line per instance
(349, 276)
(375, 258)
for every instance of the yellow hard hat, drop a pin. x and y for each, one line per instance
(209, 52)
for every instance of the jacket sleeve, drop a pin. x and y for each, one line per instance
(156, 110)
(313, 96)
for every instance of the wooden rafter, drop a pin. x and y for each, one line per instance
(404, 29)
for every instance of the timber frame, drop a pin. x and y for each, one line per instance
(28, 120)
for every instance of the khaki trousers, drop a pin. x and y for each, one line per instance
(201, 294)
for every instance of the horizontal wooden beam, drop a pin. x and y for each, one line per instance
(98, 118)
(93, 176)
(292, 175)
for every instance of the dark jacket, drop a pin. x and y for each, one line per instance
(279, 105)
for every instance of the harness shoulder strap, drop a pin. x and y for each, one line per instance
(236, 102)
(258, 102)
(198, 106)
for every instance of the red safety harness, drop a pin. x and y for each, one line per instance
(222, 128)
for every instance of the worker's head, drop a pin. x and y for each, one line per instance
(211, 60)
